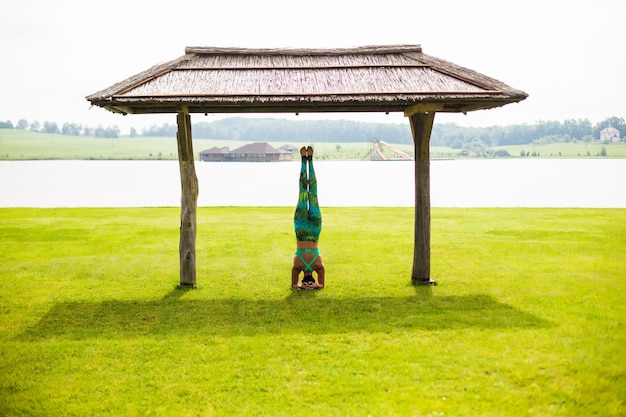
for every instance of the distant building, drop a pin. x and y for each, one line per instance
(609, 134)
(289, 148)
(255, 152)
(214, 154)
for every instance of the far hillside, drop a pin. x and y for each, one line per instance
(335, 139)
(17, 144)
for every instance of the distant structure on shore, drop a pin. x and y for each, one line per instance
(376, 152)
(609, 134)
(254, 152)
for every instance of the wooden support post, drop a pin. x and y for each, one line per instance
(188, 201)
(421, 127)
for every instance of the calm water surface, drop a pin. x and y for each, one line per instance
(457, 183)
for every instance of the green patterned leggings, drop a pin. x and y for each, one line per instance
(307, 219)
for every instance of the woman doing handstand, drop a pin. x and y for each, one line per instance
(308, 226)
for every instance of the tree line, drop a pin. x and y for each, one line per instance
(542, 132)
(311, 131)
(444, 134)
(69, 129)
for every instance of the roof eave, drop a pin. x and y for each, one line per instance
(309, 104)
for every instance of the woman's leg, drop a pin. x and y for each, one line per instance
(301, 216)
(315, 214)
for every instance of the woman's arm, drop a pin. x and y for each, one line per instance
(321, 271)
(295, 274)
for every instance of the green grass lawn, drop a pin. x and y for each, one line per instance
(568, 150)
(17, 144)
(528, 318)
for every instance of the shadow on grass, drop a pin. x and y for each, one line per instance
(301, 312)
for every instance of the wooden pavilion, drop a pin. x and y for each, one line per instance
(396, 78)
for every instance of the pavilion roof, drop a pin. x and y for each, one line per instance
(364, 79)
(216, 150)
(256, 149)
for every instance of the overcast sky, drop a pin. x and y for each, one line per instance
(567, 55)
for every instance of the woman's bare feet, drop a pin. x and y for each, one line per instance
(303, 151)
(309, 152)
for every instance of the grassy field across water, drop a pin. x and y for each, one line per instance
(17, 144)
(528, 318)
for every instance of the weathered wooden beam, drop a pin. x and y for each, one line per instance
(188, 201)
(421, 127)
(422, 108)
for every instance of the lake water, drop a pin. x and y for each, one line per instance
(455, 183)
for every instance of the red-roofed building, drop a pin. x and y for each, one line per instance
(213, 154)
(609, 134)
(254, 152)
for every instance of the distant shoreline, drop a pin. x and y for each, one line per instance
(16, 145)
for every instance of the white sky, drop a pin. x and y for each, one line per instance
(568, 55)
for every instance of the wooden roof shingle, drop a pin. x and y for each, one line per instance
(238, 80)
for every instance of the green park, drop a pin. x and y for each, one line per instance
(191, 311)
(161, 244)
(527, 318)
